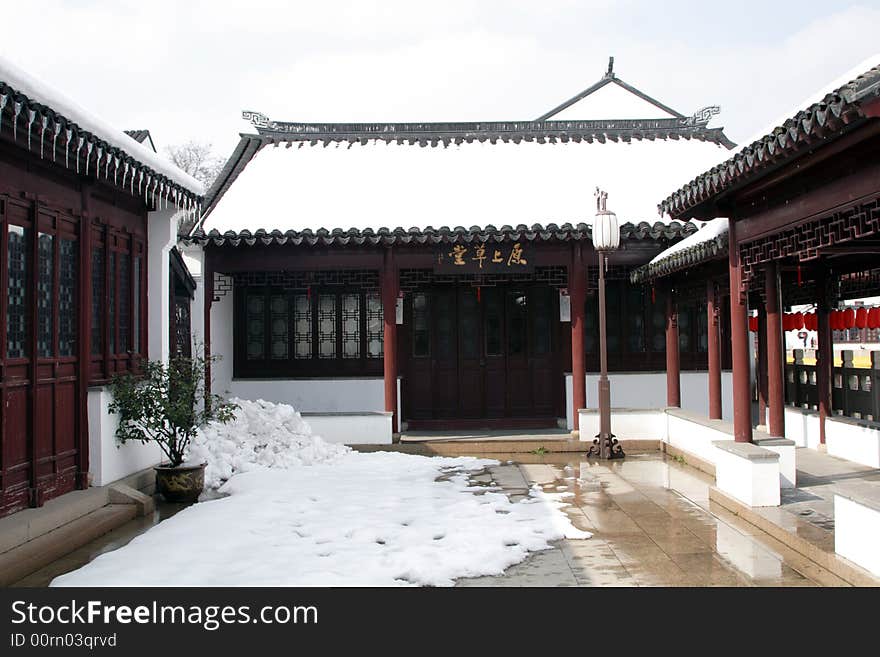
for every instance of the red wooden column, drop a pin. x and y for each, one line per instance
(761, 365)
(824, 354)
(673, 359)
(389, 352)
(577, 291)
(739, 342)
(714, 352)
(775, 353)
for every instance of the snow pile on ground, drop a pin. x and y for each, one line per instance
(262, 434)
(378, 519)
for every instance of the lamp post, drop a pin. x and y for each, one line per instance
(606, 237)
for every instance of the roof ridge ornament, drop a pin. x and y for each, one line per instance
(601, 200)
(703, 115)
(610, 72)
(257, 119)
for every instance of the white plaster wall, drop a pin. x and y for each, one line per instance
(755, 483)
(850, 440)
(161, 237)
(857, 533)
(648, 390)
(195, 262)
(110, 461)
(626, 424)
(364, 429)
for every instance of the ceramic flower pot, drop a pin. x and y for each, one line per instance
(182, 483)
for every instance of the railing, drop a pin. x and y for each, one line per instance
(855, 391)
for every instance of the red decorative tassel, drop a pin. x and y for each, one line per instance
(653, 295)
(309, 292)
(799, 275)
(478, 294)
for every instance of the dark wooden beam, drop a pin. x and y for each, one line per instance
(840, 194)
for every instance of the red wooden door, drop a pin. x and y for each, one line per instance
(15, 348)
(445, 361)
(471, 381)
(494, 345)
(39, 422)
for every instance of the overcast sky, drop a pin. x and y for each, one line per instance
(187, 69)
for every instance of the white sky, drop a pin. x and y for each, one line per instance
(187, 69)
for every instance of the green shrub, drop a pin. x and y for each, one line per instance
(166, 404)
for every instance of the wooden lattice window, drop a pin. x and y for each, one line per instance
(326, 331)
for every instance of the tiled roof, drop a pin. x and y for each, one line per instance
(42, 118)
(797, 134)
(697, 254)
(417, 236)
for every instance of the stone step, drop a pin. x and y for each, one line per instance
(46, 548)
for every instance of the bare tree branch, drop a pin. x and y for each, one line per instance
(197, 159)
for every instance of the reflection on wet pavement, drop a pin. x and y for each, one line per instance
(651, 526)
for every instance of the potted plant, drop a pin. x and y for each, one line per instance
(166, 404)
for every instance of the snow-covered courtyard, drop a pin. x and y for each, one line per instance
(297, 511)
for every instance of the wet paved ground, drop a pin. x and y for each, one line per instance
(651, 526)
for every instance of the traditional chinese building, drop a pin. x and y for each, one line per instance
(322, 294)
(795, 222)
(88, 227)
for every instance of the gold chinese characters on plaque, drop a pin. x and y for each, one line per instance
(483, 258)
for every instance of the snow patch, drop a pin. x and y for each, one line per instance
(261, 435)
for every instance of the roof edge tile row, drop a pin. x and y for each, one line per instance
(443, 235)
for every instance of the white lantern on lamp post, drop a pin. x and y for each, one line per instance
(606, 237)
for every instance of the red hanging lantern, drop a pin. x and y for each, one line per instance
(797, 321)
(786, 322)
(753, 324)
(811, 322)
(874, 318)
(862, 317)
(834, 320)
(849, 318)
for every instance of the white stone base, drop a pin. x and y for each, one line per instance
(857, 533)
(787, 459)
(747, 472)
(352, 428)
(802, 426)
(853, 440)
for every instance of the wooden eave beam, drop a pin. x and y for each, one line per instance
(860, 187)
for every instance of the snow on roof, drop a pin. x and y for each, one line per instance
(40, 92)
(388, 185)
(812, 99)
(709, 231)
